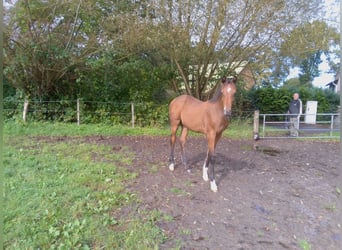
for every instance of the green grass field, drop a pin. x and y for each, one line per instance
(236, 130)
(67, 194)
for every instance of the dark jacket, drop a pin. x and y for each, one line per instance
(295, 107)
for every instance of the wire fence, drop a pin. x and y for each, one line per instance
(266, 126)
(82, 111)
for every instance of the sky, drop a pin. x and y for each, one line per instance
(321, 80)
(325, 77)
(332, 8)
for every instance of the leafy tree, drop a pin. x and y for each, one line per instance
(136, 50)
(203, 35)
(309, 68)
(45, 43)
(196, 37)
(303, 48)
(292, 83)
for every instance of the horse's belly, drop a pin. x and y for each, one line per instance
(190, 112)
(193, 120)
(194, 123)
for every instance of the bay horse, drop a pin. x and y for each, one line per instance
(210, 118)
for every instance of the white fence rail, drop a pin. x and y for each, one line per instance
(267, 126)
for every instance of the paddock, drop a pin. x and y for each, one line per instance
(274, 194)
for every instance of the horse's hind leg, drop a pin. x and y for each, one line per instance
(182, 140)
(174, 128)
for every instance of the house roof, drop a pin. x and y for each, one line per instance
(236, 66)
(333, 83)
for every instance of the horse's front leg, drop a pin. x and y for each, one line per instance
(205, 167)
(211, 169)
(210, 160)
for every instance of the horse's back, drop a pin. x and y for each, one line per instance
(183, 103)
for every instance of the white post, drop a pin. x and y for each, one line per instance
(132, 111)
(256, 125)
(78, 111)
(26, 103)
(331, 124)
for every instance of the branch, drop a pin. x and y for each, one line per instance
(186, 84)
(74, 26)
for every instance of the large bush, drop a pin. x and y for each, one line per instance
(276, 100)
(153, 111)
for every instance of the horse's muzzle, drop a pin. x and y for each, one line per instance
(227, 113)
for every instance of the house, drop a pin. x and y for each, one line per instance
(244, 71)
(335, 85)
(241, 69)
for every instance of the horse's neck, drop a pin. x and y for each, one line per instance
(215, 108)
(216, 104)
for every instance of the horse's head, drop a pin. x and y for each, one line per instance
(228, 90)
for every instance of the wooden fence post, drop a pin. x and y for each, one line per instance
(256, 125)
(26, 104)
(132, 111)
(78, 111)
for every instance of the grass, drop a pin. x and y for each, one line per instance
(68, 195)
(303, 244)
(236, 130)
(71, 129)
(178, 191)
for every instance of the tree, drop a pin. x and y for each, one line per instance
(235, 31)
(292, 83)
(45, 42)
(53, 47)
(196, 37)
(309, 68)
(303, 48)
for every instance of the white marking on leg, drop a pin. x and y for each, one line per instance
(205, 173)
(213, 186)
(172, 166)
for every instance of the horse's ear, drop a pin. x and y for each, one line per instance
(234, 79)
(229, 80)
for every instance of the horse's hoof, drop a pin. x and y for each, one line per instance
(172, 167)
(213, 186)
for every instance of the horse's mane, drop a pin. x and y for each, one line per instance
(217, 95)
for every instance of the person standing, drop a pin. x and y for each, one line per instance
(295, 110)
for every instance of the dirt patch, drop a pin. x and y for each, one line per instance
(273, 194)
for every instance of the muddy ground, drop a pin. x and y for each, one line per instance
(273, 194)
